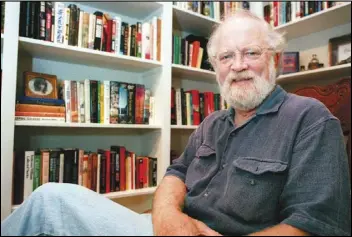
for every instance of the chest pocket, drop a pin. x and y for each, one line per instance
(200, 168)
(253, 188)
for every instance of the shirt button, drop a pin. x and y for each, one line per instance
(252, 182)
(223, 166)
(206, 194)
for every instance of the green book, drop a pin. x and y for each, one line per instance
(37, 170)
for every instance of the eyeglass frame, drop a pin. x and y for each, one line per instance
(242, 52)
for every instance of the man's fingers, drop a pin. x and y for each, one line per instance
(205, 230)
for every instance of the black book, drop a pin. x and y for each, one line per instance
(98, 29)
(112, 171)
(93, 101)
(131, 88)
(116, 151)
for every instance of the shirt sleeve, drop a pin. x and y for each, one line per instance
(317, 195)
(180, 165)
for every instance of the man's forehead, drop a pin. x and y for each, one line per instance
(240, 33)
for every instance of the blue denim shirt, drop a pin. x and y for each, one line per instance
(287, 164)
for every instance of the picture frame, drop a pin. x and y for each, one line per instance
(40, 85)
(339, 49)
(290, 62)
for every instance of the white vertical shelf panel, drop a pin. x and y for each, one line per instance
(8, 94)
(164, 89)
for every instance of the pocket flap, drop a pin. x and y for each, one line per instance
(259, 166)
(204, 151)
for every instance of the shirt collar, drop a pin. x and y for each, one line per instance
(271, 104)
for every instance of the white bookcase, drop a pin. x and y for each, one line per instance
(73, 63)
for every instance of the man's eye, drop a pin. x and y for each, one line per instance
(226, 56)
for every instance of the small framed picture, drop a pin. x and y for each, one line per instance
(40, 85)
(340, 50)
(290, 62)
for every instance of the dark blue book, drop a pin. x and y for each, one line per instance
(40, 101)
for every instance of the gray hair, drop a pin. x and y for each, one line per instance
(275, 39)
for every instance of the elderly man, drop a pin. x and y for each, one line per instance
(273, 164)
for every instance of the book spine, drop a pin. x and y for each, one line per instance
(74, 102)
(85, 30)
(106, 114)
(113, 36)
(52, 37)
(91, 31)
(146, 34)
(103, 174)
(152, 111)
(45, 167)
(117, 170)
(133, 39)
(139, 40)
(114, 102)
(158, 40)
(80, 167)
(122, 168)
(94, 101)
(39, 108)
(36, 171)
(81, 102)
(48, 11)
(98, 30)
(87, 100)
(46, 119)
(62, 165)
(178, 107)
(98, 172)
(139, 104)
(85, 170)
(123, 103)
(80, 29)
(118, 35)
(59, 23)
(28, 175)
(131, 103)
(112, 171)
(42, 21)
(154, 37)
(146, 110)
(39, 114)
(67, 25)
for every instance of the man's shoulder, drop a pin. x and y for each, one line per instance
(303, 106)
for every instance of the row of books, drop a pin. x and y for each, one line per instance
(91, 101)
(190, 51)
(277, 13)
(215, 10)
(191, 107)
(70, 25)
(103, 171)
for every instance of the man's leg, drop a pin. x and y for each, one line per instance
(67, 209)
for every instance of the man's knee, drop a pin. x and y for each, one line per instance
(55, 191)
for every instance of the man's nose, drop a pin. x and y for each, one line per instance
(238, 64)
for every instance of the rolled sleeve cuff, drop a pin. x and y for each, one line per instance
(176, 173)
(314, 226)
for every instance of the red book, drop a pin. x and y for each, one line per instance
(109, 35)
(122, 168)
(107, 178)
(196, 46)
(276, 13)
(140, 91)
(208, 103)
(145, 171)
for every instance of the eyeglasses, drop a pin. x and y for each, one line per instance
(248, 54)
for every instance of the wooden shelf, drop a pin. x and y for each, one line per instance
(138, 10)
(192, 73)
(334, 16)
(184, 126)
(84, 125)
(73, 54)
(120, 194)
(317, 74)
(192, 22)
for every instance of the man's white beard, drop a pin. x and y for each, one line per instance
(249, 96)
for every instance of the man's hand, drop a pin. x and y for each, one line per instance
(179, 224)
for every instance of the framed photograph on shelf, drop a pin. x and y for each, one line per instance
(290, 62)
(340, 50)
(40, 85)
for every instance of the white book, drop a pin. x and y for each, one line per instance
(81, 102)
(98, 173)
(178, 107)
(43, 119)
(28, 173)
(106, 102)
(91, 31)
(59, 23)
(298, 9)
(155, 38)
(118, 35)
(67, 98)
(129, 41)
(146, 40)
(80, 29)
(152, 110)
(87, 100)
(62, 165)
(67, 25)
(52, 23)
(293, 10)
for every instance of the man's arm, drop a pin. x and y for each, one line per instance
(281, 230)
(167, 215)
